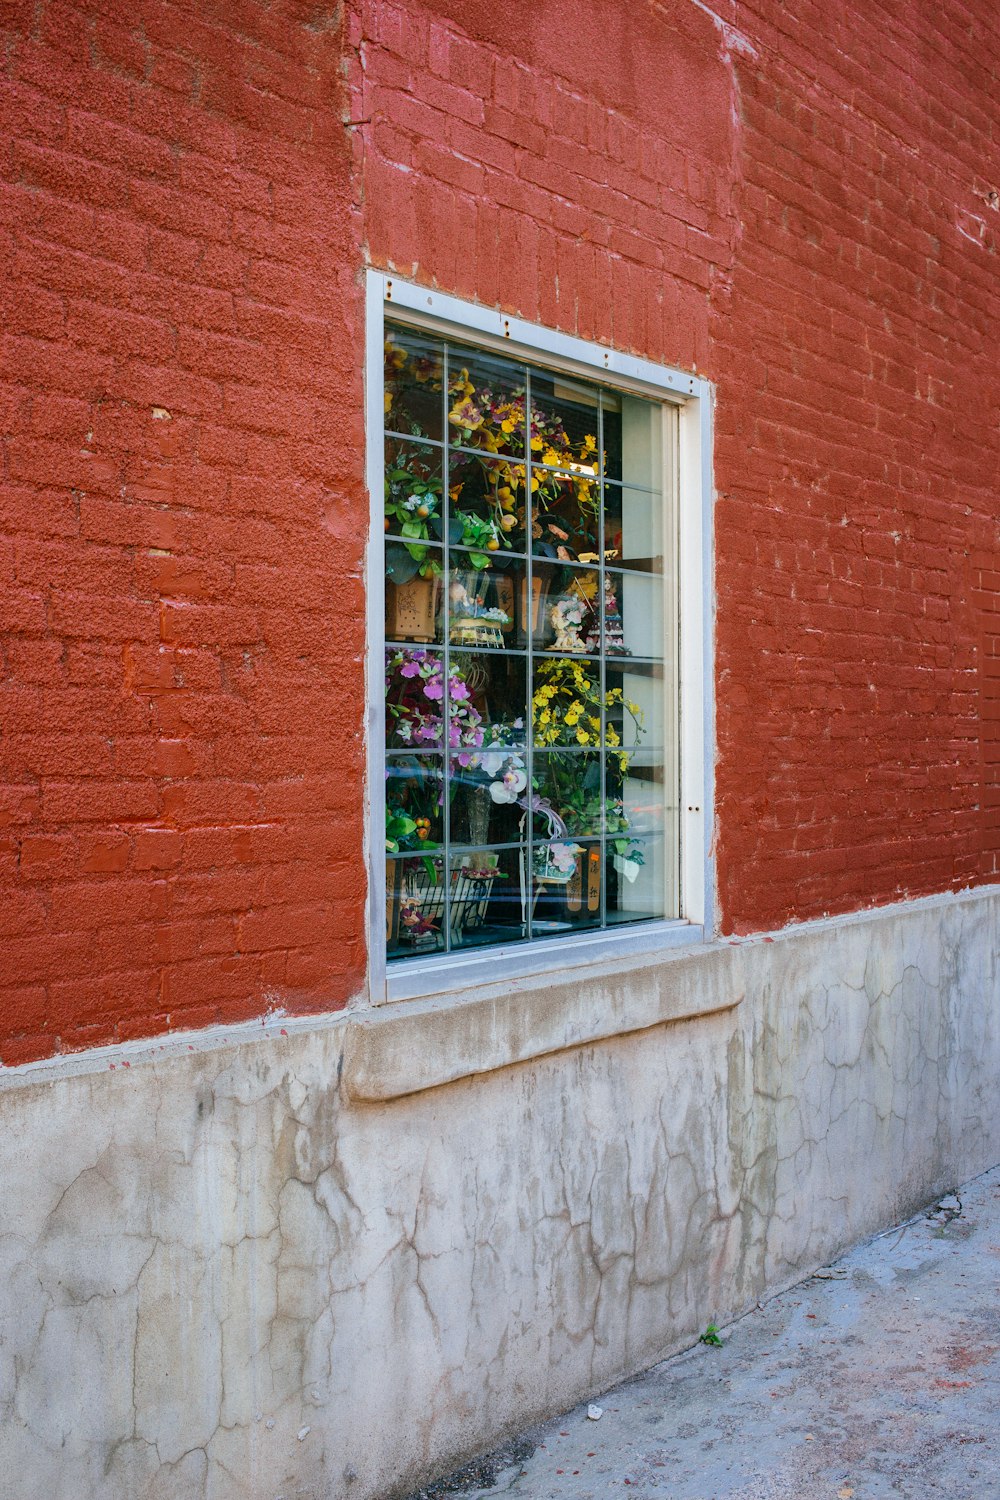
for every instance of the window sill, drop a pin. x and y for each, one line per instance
(421, 1044)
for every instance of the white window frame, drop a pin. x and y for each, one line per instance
(693, 396)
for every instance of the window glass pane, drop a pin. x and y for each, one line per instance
(413, 600)
(486, 505)
(488, 897)
(415, 698)
(566, 515)
(633, 614)
(414, 372)
(414, 508)
(567, 793)
(487, 793)
(414, 802)
(415, 905)
(488, 700)
(482, 601)
(633, 440)
(564, 419)
(570, 622)
(635, 792)
(567, 877)
(634, 528)
(636, 875)
(635, 705)
(566, 703)
(486, 401)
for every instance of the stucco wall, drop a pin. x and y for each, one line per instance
(223, 1277)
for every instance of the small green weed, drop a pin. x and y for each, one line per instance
(711, 1337)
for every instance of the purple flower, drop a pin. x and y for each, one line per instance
(459, 691)
(433, 688)
(409, 669)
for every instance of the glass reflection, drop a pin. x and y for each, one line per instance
(488, 796)
(633, 440)
(633, 614)
(481, 602)
(413, 600)
(635, 528)
(490, 689)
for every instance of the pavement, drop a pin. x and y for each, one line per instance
(878, 1377)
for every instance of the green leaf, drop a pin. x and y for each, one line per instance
(411, 528)
(479, 559)
(400, 567)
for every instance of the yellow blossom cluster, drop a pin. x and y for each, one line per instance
(566, 708)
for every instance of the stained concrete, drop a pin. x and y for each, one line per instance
(222, 1277)
(877, 1378)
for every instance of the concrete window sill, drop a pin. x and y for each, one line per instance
(407, 1047)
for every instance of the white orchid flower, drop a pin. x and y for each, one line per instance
(510, 786)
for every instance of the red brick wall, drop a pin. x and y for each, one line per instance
(798, 206)
(805, 206)
(180, 526)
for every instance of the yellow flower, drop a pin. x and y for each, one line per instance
(465, 414)
(537, 444)
(582, 737)
(611, 734)
(507, 425)
(550, 456)
(388, 401)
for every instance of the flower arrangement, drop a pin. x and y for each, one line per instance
(412, 508)
(566, 707)
(415, 691)
(499, 425)
(496, 430)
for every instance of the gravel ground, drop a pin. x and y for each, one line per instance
(876, 1378)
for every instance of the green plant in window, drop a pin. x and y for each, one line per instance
(413, 512)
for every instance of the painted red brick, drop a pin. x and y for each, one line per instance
(800, 204)
(178, 241)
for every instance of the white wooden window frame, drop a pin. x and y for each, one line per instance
(386, 295)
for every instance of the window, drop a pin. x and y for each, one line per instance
(530, 667)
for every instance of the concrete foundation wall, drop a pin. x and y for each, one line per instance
(222, 1277)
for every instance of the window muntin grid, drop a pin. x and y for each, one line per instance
(504, 823)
